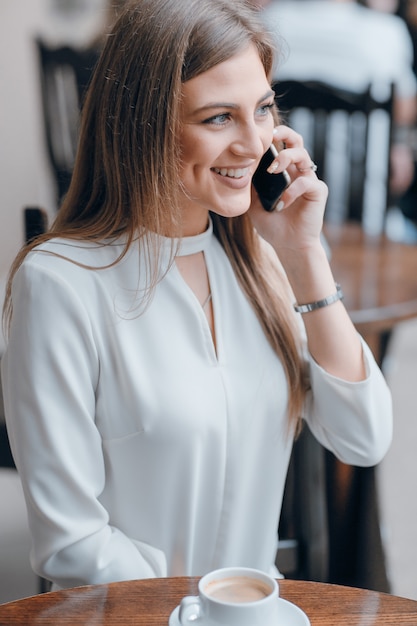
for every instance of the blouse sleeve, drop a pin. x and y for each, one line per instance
(352, 419)
(50, 372)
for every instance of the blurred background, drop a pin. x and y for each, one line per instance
(25, 174)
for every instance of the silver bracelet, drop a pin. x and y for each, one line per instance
(319, 304)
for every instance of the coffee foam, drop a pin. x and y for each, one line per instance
(238, 589)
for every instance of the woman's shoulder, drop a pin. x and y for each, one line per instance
(73, 264)
(62, 253)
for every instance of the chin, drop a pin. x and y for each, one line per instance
(231, 209)
(237, 211)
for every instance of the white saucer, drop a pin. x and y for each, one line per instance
(289, 614)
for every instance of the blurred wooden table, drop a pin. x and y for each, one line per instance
(378, 277)
(150, 603)
(379, 280)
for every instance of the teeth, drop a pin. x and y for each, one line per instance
(232, 173)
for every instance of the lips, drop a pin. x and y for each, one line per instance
(232, 172)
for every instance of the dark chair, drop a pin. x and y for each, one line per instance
(349, 137)
(35, 222)
(64, 75)
(303, 550)
(6, 459)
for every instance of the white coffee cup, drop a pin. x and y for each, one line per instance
(232, 596)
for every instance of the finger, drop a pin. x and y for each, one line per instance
(312, 167)
(305, 188)
(296, 158)
(288, 137)
(292, 152)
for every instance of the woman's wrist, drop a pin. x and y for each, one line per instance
(309, 273)
(307, 307)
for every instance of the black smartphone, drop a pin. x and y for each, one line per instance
(269, 187)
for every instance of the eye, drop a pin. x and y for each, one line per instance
(218, 120)
(265, 109)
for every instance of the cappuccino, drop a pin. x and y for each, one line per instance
(238, 589)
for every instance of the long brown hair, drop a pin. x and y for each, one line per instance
(126, 173)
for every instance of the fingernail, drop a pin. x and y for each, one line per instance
(280, 206)
(273, 167)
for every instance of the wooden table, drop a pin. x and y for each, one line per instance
(378, 277)
(379, 280)
(150, 603)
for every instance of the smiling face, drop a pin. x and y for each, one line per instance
(226, 126)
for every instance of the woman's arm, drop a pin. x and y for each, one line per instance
(50, 375)
(349, 406)
(294, 233)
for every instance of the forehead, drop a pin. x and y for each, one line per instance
(242, 75)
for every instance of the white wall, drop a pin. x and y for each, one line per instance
(25, 177)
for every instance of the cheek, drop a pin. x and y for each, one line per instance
(195, 162)
(267, 136)
(190, 158)
(186, 152)
(199, 149)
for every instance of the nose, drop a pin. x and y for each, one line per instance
(250, 141)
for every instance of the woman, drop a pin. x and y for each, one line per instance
(156, 371)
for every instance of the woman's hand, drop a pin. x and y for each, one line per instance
(293, 230)
(298, 220)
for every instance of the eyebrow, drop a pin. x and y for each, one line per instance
(231, 105)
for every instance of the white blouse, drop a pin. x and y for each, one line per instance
(143, 451)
